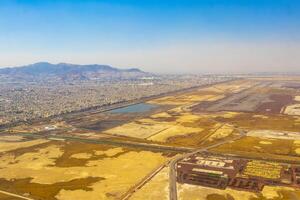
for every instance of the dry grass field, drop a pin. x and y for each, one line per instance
(254, 147)
(72, 170)
(191, 192)
(156, 188)
(264, 111)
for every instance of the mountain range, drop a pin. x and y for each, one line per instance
(44, 71)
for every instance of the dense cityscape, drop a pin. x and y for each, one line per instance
(30, 101)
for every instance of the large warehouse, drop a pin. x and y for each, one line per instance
(222, 172)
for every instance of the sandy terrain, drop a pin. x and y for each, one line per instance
(292, 109)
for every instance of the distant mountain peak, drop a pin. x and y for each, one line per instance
(42, 70)
(41, 63)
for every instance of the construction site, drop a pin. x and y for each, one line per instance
(241, 174)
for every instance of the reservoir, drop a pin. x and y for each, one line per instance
(136, 108)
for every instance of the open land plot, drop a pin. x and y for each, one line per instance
(224, 131)
(74, 170)
(269, 134)
(252, 121)
(262, 97)
(176, 127)
(292, 109)
(276, 104)
(189, 98)
(106, 120)
(255, 147)
(212, 93)
(156, 188)
(243, 101)
(231, 87)
(139, 129)
(154, 129)
(192, 192)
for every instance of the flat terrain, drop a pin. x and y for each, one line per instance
(126, 154)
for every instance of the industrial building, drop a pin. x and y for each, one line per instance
(242, 174)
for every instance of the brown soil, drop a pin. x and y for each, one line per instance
(278, 102)
(219, 197)
(45, 191)
(273, 122)
(7, 197)
(71, 148)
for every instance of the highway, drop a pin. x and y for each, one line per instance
(111, 141)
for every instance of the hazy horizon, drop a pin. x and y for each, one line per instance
(156, 36)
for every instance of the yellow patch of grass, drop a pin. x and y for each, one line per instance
(117, 173)
(110, 152)
(120, 174)
(9, 146)
(279, 149)
(297, 98)
(186, 99)
(161, 115)
(11, 138)
(138, 130)
(175, 130)
(34, 165)
(292, 109)
(272, 192)
(297, 151)
(156, 188)
(192, 192)
(260, 116)
(82, 155)
(270, 134)
(187, 117)
(222, 132)
(296, 142)
(230, 114)
(169, 100)
(265, 142)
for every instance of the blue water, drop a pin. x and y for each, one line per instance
(141, 107)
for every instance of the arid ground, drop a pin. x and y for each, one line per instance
(110, 155)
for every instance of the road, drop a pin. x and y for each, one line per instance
(172, 172)
(110, 141)
(143, 181)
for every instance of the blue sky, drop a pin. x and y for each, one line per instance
(155, 35)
